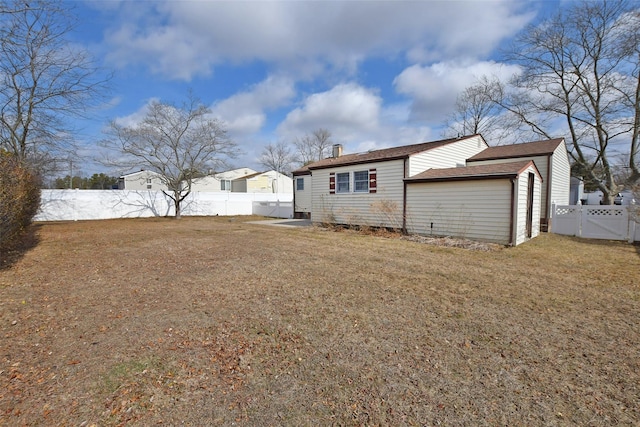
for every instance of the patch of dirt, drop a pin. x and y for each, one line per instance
(212, 321)
(450, 242)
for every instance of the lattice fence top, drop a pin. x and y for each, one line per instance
(604, 212)
(560, 211)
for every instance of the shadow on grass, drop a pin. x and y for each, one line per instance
(10, 255)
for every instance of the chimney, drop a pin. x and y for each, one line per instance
(337, 150)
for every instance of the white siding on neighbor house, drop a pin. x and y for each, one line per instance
(476, 210)
(208, 184)
(560, 179)
(303, 197)
(446, 156)
(520, 223)
(142, 181)
(380, 209)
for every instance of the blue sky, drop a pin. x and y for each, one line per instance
(375, 73)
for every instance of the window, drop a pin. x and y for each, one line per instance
(225, 185)
(342, 182)
(361, 182)
(148, 180)
(299, 184)
(148, 186)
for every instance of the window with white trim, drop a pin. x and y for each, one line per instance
(342, 182)
(225, 185)
(299, 184)
(361, 182)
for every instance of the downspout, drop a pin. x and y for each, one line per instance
(404, 198)
(513, 209)
(295, 190)
(546, 202)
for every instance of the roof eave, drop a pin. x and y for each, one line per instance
(462, 178)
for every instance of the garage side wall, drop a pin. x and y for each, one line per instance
(477, 210)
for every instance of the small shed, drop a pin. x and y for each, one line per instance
(497, 203)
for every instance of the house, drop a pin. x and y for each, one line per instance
(220, 181)
(497, 203)
(263, 182)
(455, 187)
(368, 188)
(551, 159)
(142, 180)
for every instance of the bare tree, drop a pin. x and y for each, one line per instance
(476, 113)
(45, 80)
(581, 72)
(178, 143)
(313, 147)
(277, 157)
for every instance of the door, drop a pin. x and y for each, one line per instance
(530, 189)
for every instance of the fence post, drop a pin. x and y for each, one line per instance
(631, 209)
(579, 217)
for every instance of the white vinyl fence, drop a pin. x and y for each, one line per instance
(65, 205)
(596, 222)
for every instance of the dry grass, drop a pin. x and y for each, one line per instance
(206, 321)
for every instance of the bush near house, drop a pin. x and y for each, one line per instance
(19, 199)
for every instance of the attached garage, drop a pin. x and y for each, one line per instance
(497, 203)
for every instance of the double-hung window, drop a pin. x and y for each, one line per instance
(361, 182)
(342, 182)
(299, 184)
(225, 185)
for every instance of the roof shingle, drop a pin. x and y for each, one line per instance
(377, 155)
(499, 170)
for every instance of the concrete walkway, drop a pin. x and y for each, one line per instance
(285, 222)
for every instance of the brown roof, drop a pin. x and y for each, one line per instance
(535, 148)
(499, 170)
(377, 155)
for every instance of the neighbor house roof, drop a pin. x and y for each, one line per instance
(142, 171)
(492, 171)
(240, 178)
(377, 155)
(535, 148)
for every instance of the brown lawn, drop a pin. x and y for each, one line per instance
(212, 321)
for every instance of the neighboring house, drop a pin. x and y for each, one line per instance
(368, 188)
(497, 203)
(221, 181)
(263, 182)
(551, 159)
(142, 180)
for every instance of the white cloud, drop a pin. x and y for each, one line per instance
(183, 39)
(344, 110)
(136, 117)
(434, 88)
(356, 117)
(245, 112)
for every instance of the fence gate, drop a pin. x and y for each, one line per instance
(605, 222)
(594, 222)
